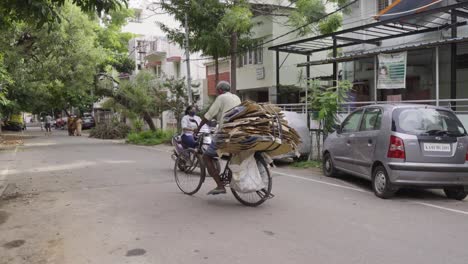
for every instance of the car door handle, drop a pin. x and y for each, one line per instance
(348, 142)
(369, 142)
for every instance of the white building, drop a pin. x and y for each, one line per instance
(430, 74)
(150, 49)
(256, 67)
(431, 36)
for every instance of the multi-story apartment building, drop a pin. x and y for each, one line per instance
(151, 50)
(256, 71)
(430, 38)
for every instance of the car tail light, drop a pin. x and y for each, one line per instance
(466, 155)
(396, 149)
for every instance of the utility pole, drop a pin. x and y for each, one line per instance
(187, 60)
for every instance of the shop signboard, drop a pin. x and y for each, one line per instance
(392, 71)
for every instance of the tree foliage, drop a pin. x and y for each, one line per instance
(148, 96)
(212, 24)
(176, 98)
(54, 67)
(309, 16)
(326, 102)
(40, 12)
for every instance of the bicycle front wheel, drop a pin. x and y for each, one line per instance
(257, 198)
(190, 179)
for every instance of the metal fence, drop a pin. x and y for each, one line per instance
(298, 108)
(460, 106)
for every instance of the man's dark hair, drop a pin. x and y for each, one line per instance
(187, 110)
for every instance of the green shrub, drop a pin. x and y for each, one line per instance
(307, 164)
(112, 130)
(137, 124)
(149, 137)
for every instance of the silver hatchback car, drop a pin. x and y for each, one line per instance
(399, 145)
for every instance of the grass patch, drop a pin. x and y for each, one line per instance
(149, 138)
(307, 164)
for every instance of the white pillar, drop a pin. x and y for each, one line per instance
(437, 74)
(376, 71)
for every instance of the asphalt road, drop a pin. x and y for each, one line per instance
(84, 200)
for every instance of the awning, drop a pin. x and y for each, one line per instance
(403, 7)
(155, 56)
(371, 53)
(373, 33)
(173, 59)
(153, 63)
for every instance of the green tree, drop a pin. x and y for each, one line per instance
(236, 22)
(176, 98)
(214, 28)
(52, 68)
(55, 67)
(308, 16)
(40, 12)
(326, 103)
(138, 98)
(203, 19)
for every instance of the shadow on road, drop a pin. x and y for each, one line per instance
(402, 194)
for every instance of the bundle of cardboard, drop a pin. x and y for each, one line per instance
(256, 127)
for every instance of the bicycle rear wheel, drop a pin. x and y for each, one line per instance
(257, 198)
(190, 179)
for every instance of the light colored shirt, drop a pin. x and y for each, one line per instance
(186, 123)
(48, 119)
(223, 103)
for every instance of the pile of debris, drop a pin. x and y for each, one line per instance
(256, 127)
(10, 141)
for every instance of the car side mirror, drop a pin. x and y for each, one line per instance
(337, 128)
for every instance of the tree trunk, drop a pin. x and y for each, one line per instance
(233, 62)
(161, 120)
(66, 112)
(149, 121)
(216, 70)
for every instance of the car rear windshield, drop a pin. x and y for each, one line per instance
(427, 121)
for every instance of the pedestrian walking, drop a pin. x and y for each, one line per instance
(78, 126)
(71, 125)
(48, 125)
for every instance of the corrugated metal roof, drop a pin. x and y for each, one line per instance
(367, 54)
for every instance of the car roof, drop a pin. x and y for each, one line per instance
(392, 106)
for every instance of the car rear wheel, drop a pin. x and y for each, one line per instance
(381, 183)
(457, 193)
(327, 166)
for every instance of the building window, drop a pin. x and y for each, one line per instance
(157, 70)
(382, 4)
(137, 17)
(259, 55)
(153, 45)
(177, 69)
(251, 56)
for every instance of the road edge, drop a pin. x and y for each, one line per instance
(4, 173)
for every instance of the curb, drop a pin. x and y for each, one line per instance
(3, 187)
(4, 173)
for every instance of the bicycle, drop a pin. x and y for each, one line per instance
(191, 177)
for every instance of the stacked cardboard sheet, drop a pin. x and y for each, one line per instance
(256, 127)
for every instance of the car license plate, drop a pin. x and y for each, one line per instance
(438, 147)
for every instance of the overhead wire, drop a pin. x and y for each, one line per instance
(294, 30)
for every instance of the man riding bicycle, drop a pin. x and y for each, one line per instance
(224, 102)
